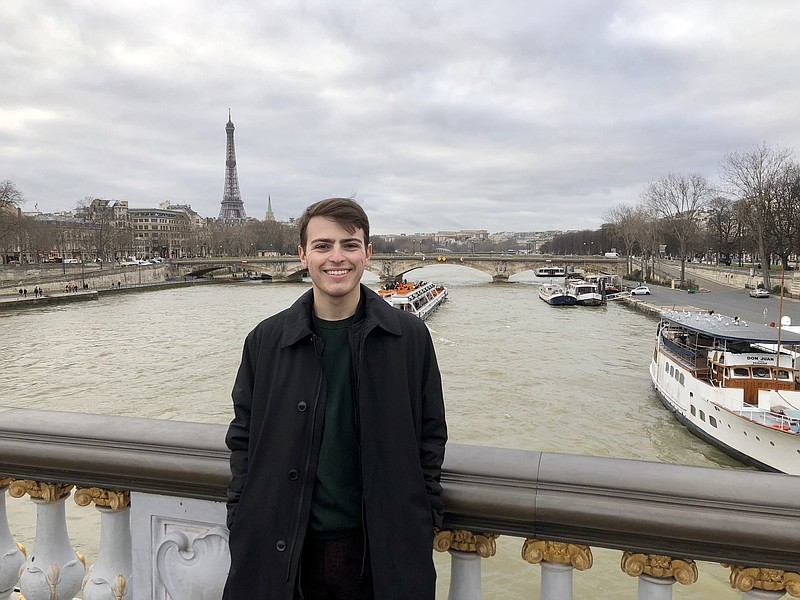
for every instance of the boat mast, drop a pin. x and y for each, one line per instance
(780, 327)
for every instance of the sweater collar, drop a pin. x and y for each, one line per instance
(373, 311)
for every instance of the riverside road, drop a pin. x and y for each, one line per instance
(724, 300)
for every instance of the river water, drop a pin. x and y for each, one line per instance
(517, 373)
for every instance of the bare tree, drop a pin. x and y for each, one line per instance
(750, 177)
(626, 222)
(723, 226)
(10, 196)
(782, 210)
(10, 218)
(678, 200)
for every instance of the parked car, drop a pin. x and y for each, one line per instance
(640, 290)
(759, 293)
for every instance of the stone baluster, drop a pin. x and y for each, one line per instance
(466, 550)
(12, 554)
(110, 577)
(657, 573)
(54, 571)
(761, 583)
(558, 561)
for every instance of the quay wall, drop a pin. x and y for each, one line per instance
(53, 278)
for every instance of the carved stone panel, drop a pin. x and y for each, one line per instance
(180, 548)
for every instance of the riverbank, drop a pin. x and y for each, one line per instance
(10, 301)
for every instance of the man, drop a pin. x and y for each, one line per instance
(338, 436)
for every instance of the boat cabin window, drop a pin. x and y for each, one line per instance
(683, 378)
(666, 367)
(761, 373)
(671, 370)
(741, 372)
(783, 374)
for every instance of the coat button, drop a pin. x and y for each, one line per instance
(302, 406)
(280, 546)
(293, 474)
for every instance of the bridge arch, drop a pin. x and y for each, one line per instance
(392, 267)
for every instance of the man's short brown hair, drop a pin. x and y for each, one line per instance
(345, 212)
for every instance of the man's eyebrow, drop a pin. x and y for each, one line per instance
(333, 240)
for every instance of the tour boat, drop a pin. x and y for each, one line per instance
(733, 384)
(550, 272)
(556, 295)
(585, 293)
(420, 298)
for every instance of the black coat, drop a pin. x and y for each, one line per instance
(279, 406)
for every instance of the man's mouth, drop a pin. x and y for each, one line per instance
(337, 272)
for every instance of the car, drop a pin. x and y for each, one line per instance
(640, 290)
(759, 293)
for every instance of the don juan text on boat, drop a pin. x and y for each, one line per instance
(733, 384)
(420, 298)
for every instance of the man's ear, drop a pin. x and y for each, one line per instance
(302, 254)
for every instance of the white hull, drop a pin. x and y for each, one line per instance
(421, 301)
(585, 294)
(753, 434)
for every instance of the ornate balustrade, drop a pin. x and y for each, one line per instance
(160, 485)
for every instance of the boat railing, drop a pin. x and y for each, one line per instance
(769, 418)
(159, 487)
(680, 352)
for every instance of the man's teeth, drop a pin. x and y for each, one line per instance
(340, 272)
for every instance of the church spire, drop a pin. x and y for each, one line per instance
(270, 216)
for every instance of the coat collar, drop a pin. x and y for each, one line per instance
(372, 310)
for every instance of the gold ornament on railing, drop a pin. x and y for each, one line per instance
(49, 492)
(745, 579)
(535, 551)
(658, 565)
(114, 500)
(5, 481)
(465, 541)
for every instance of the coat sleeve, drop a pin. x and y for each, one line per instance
(238, 435)
(434, 431)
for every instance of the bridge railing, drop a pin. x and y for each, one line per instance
(159, 486)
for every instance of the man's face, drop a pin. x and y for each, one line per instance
(335, 260)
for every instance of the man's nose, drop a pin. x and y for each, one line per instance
(337, 255)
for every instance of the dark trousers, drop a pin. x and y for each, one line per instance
(335, 570)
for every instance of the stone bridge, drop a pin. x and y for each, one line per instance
(392, 267)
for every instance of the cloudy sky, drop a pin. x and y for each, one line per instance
(437, 114)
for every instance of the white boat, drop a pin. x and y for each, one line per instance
(725, 381)
(420, 298)
(585, 293)
(556, 295)
(550, 272)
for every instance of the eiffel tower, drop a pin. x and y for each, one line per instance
(232, 209)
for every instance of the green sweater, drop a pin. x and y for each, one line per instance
(336, 504)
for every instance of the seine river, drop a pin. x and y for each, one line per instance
(517, 373)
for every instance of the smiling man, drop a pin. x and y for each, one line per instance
(338, 436)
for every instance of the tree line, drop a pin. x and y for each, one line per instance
(753, 212)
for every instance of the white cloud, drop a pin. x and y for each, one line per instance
(505, 115)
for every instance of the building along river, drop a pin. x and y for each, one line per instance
(517, 373)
